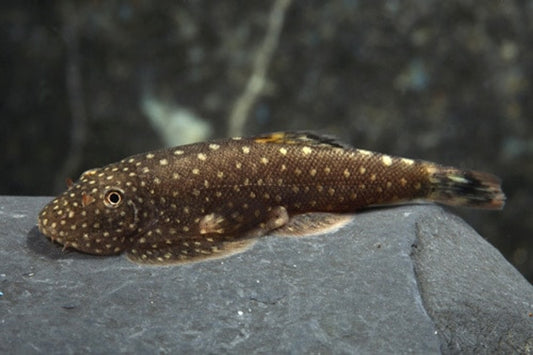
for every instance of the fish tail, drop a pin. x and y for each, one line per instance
(465, 188)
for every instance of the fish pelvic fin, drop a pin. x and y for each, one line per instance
(308, 224)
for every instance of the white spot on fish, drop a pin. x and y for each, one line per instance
(202, 156)
(387, 161)
(306, 150)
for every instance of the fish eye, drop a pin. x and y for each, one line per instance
(113, 198)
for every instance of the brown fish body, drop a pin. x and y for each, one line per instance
(206, 199)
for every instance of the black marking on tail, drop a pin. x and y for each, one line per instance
(467, 188)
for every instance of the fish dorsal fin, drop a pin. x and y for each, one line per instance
(300, 138)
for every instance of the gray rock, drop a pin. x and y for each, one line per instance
(412, 279)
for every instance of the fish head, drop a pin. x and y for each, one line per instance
(96, 214)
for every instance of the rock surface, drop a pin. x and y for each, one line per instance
(408, 279)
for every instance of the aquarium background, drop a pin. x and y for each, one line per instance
(86, 83)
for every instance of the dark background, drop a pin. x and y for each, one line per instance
(86, 83)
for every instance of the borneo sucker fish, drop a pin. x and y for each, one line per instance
(207, 200)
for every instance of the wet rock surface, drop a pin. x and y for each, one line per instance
(407, 279)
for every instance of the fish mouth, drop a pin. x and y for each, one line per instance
(84, 234)
(44, 229)
(50, 232)
(61, 234)
(68, 241)
(52, 228)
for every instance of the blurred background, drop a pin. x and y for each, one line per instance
(86, 83)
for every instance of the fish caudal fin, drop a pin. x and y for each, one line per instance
(473, 189)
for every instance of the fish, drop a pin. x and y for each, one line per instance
(212, 199)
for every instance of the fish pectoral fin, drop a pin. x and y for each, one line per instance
(186, 250)
(307, 224)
